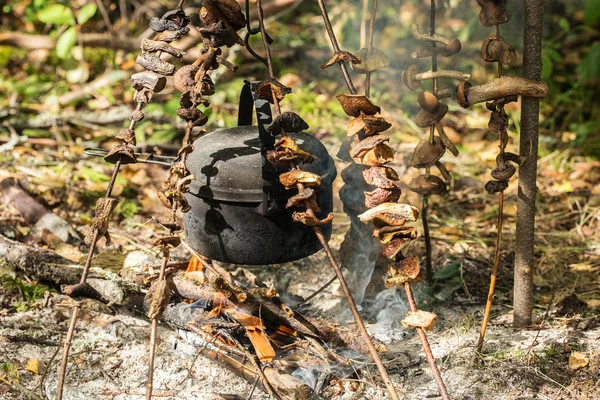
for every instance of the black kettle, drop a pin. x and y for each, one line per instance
(238, 212)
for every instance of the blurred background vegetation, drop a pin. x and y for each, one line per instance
(82, 53)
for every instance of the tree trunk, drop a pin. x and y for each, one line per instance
(530, 108)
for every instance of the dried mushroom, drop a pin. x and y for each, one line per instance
(310, 219)
(395, 246)
(287, 122)
(405, 270)
(213, 11)
(392, 212)
(341, 56)
(428, 185)
(271, 87)
(381, 177)
(504, 173)
(307, 194)
(380, 155)
(355, 104)
(379, 196)
(427, 154)
(291, 178)
(122, 153)
(367, 144)
(419, 319)
(128, 136)
(367, 125)
(387, 233)
(425, 118)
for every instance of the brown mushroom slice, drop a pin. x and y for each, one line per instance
(427, 154)
(388, 233)
(367, 125)
(367, 144)
(291, 178)
(155, 64)
(395, 246)
(307, 194)
(287, 122)
(128, 136)
(419, 319)
(405, 270)
(122, 153)
(286, 151)
(391, 211)
(310, 219)
(493, 187)
(148, 80)
(379, 196)
(504, 174)
(380, 155)
(493, 12)
(427, 186)
(341, 56)
(425, 118)
(213, 12)
(370, 60)
(381, 177)
(271, 87)
(354, 104)
(167, 242)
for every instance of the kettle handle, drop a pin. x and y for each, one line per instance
(273, 190)
(250, 103)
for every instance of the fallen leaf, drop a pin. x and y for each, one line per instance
(578, 360)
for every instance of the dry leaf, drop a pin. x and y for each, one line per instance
(578, 360)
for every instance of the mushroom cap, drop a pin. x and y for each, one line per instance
(427, 154)
(495, 186)
(453, 46)
(408, 76)
(426, 186)
(370, 61)
(425, 118)
(428, 102)
(462, 90)
(354, 104)
(121, 152)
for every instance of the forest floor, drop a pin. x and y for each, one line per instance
(558, 357)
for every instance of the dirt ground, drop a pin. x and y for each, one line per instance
(557, 358)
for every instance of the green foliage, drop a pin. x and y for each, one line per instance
(86, 12)
(592, 12)
(30, 292)
(128, 208)
(450, 279)
(56, 14)
(10, 371)
(65, 42)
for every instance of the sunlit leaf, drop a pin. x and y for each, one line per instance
(592, 12)
(86, 12)
(65, 42)
(56, 14)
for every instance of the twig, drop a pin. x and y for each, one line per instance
(41, 384)
(537, 334)
(153, 333)
(426, 347)
(320, 290)
(488, 304)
